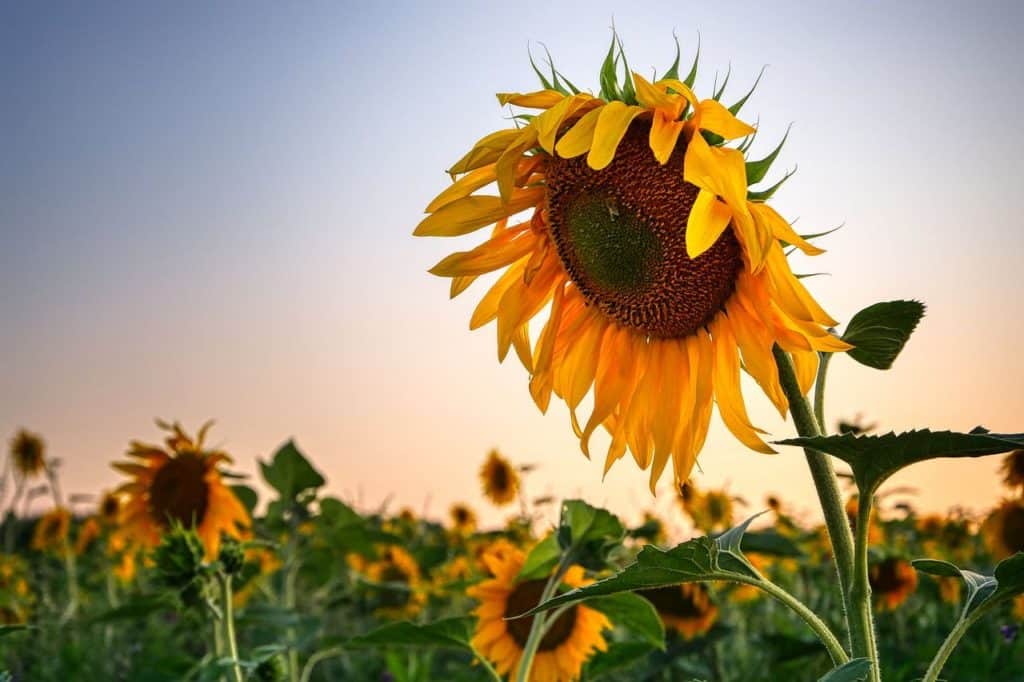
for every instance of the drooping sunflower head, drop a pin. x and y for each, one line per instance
(463, 518)
(1003, 529)
(28, 453)
(51, 530)
(892, 580)
(687, 608)
(659, 264)
(178, 483)
(1013, 469)
(570, 639)
(499, 479)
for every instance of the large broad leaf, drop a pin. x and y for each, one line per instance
(589, 533)
(290, 473)
(876, 458)
(770, 543)
(633, 614)
(982, 590)
(541, 559)
(695, 560)
(448, 633)
(619, 657)
(855, 670)
(247, 496)
(879, 332)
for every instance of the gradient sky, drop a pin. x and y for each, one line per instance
(206, 212)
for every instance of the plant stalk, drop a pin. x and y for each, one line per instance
(537, 627)
(860, 594)
(229, 626)
(954, 637)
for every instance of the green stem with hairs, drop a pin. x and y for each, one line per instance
(956, 634)
(819, 392)
(537, 627)
(860, 594)
(824, 477)
(229, 626)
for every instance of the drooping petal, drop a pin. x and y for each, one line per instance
(495, 253)
(708, 219)
(664, 135)
(726, 380)
(612, 124)
(469, 214)
(712, 116)
(550, 122)
(541, 99)
(485, 151)
(577, 140)
(463, 187)
(780, 229)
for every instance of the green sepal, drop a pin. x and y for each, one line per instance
(765, 195)
(756, 170)
(717, 96)
(691, 77)
(608, 77)
(735, 108)
(673, 71)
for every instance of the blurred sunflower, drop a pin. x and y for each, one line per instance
(875, 534)
(182, 483)
(1013, 469)
(499, 478)
(51, 531)
(398, 574)
(16, 597)
(949, 589)
(266, 563)
(686, 608)
(661, 266)
(892, 581)
(109, 508)
(28, 453)
(741, 592)
(463, 518)
(570, 640)
(499, 548)
(88, 533)
(1003, 530)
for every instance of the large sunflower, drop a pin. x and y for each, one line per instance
(570, 639)
(659, 264)
(179, 483)
(499, 479)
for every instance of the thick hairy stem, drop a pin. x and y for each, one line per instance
(955, 635)
(824, 479)
(860, 593)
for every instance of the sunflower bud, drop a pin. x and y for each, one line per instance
(232, 556)
(271, 670)
(179, 557)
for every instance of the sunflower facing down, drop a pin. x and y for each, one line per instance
(180, 482)
(28, 453)
(570, 640)
(499, 479)
(892, 580)
(1003, 530)
(686, 608)
(659, 265)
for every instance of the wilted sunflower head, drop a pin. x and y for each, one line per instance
(499, 479)
(1013, 469)
(463, 518)
(687, 608)
(28, 453)
(179, 483)
(1004, 529)
(569, 641)
(51, 530)
(892, 581)
(631, 219)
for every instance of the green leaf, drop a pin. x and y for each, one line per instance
(699, 559)
(879, 332)
(634, 614)
(876, 458)
(855, 670)
(765, 195)
(290, 473)
(247, 496)
(756, 170)
(448, 633)
(770, 543)
(618, 657)
(589, 533)
(541, 559)
(982, 590)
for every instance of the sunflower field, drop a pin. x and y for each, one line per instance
(634, 226)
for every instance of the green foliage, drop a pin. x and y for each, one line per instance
(449, 633)
(589, 534)
(541, 559)
(983, 591)
(876, 458)
(290, 473)
(634, 615)
(880, 331)
(756, 170)
(179, 557)
(853, 671)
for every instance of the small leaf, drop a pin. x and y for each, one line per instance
(589, 533)
(290, 473)
(247, 496)
(771, 543)
(982, 590)
(448, 633)
(541, 559)
(855, 670)
(879, 332)
(876, 458)
(634, 614)
(756, 170)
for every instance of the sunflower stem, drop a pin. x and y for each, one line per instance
(825, 483)
(863, 633)
(819, 392)
(537, 627)
(955, 635)
(229, 625)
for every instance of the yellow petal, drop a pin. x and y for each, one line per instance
(780, 229)
(719, 120)
(792, 295)
(806, 365)
(664, 135)
(680, 88)
(485, 151)
(577, 140)
(719, 170)
(549, 123)
(726, 381)
(489, 256)
(469, 214)
(508, 163)
(487, 309)
(708, 219)
(655, 97)
(612, 125)
(541, 99)
(463, 187)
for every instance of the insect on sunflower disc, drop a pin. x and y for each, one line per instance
(627, 217)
